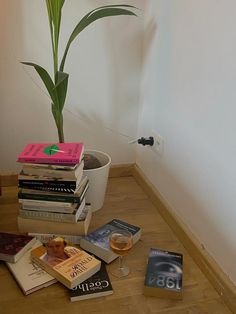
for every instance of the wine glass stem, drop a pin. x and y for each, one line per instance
(120, 261)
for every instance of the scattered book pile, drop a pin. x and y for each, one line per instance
(35, 266)
(52, 189)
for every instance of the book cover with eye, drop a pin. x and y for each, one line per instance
(164, 274)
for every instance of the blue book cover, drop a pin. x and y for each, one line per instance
(97, 241)
(100, 236)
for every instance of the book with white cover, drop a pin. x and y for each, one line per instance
(55, 227)
(58, 207)
(53, 216)
(28, 275)
(45, 170)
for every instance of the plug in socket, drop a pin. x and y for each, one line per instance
(158, 146)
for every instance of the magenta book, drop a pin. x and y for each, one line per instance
(13, 246)
(51, 153)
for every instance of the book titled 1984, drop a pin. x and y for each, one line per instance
(164, 274)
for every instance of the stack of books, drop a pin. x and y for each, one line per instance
(52, 189)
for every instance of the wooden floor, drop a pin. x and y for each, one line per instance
(125, 200)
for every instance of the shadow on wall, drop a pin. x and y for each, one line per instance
(149, 33)
(106, 84)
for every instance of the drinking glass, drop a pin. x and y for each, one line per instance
(121, 241)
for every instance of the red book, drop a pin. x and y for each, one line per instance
(13, 246)
(52, 153)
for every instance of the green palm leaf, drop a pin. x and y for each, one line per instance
(101, 12)
(61, 88)
(54, 8)
(56, 91)
(48, 82)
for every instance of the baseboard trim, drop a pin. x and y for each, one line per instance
(8, 178)
(124, 170)
(205, 262)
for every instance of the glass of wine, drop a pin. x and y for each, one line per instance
(121, 242)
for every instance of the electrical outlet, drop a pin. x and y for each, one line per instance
(158, 146)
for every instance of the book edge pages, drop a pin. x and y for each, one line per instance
(91, 296)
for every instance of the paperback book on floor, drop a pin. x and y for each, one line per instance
(28, 275)
(164, 274)
(97, 241)
(66, 263)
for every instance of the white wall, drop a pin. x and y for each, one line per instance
(104, 66)
(189, 97)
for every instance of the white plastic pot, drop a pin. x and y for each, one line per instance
(98, 178)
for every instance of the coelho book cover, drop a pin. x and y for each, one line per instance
(96, 286)
(66, 263)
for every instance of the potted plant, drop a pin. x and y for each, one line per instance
(57, 85)
(57, 88)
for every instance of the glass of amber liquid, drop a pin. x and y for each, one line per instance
(121, 241)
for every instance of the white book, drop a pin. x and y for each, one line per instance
(38, 203)
(53, 216)
(43, 226)
(36, 171)
(28, 275)
(55, 209)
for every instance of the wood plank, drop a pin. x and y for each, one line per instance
(8, 178)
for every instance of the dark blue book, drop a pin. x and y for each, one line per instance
(96, 286)
(97, 241)
(164, 274)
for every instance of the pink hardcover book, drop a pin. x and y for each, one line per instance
(51, 153)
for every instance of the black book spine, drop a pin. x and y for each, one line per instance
(51, 197)
(47, 185)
